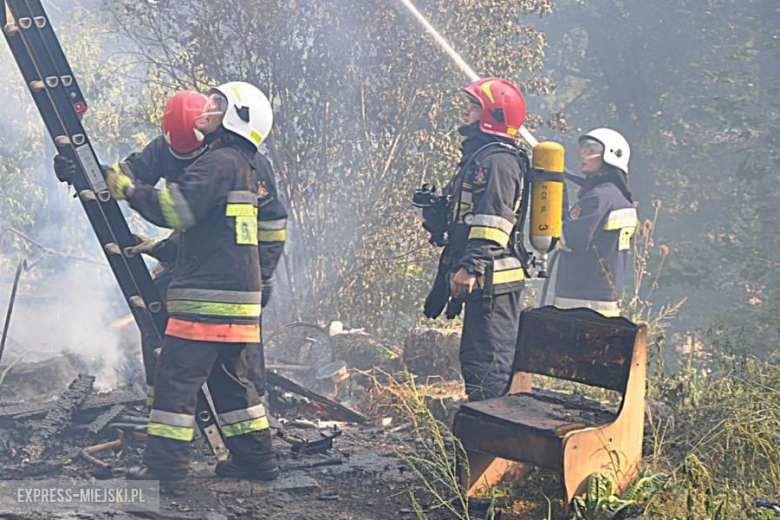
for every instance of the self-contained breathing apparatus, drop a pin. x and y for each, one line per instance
(543, 192)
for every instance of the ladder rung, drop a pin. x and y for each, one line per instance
(155, 307)
(137, 301)
(68, 81)
(52, 81)
(40, 21)
(25, 23)
(78, 139)
(87, 195)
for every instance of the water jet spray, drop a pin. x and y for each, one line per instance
(459, 61)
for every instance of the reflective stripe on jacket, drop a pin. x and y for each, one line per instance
(596, 243)
(608, 309)
(271, 219)
(484, 197)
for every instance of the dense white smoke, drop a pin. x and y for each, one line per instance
(75, 309)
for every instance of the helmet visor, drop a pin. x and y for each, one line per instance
(216, 106)
(591, 147)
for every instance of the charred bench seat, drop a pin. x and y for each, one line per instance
(568, 433)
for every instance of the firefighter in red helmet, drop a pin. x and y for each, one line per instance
(479, 267)
(184, 139)
(181, 144)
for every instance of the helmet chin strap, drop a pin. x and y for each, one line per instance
(186, 157)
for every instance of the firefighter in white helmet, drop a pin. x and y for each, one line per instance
(214, 300)
(597, 238)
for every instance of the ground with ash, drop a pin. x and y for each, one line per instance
(44, 437)
(55, 424)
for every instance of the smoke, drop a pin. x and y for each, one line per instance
(73, 310)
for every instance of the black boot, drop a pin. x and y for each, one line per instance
(266, 470)
(171, 483)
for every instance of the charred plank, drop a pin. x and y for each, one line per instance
(59, 416)
(336, 409)
(124, 397)
(37, 408)
(104, 419)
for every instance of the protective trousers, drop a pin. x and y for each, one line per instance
(487, 347)
(254, 352)
(183, 367)
(162, 280)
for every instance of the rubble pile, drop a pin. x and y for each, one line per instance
(45, 434)
(332, 458)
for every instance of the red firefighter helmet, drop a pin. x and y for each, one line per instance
(178, 124)
(503, 106)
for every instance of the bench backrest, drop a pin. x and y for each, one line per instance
(577, 345)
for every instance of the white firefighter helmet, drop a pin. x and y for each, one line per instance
(616, 149)
(248, 112)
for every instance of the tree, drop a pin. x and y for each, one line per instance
(365, 108)
(694, 88)
(31, 199)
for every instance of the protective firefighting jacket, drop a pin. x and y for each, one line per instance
(596, 244)
(484, 197)
(156, 162)
(271, 218)
(215, 294)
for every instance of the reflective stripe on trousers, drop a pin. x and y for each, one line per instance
(239, 422)
(608, 309)
(176, 426)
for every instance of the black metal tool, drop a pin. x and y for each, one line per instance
(303, 445)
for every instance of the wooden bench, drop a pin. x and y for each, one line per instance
(568, 433)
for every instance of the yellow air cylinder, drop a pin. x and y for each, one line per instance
(546, 196)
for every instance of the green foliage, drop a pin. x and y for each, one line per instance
(433, 452)
(603, 501)
(31, 199)
(726, 410)
(695, 88)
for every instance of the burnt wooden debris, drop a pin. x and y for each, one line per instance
(338, 410)
(571, 434)
(29, 409)
(104, 419)
(125, 397)
(432, 352)
(59, 416)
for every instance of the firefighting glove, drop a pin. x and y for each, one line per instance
(437, 297)
(64, 168)
(145, 246)
(454, 308)
(119, 184)
(435, 219)
(266, 288)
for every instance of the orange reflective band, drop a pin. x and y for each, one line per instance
(217, 332)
